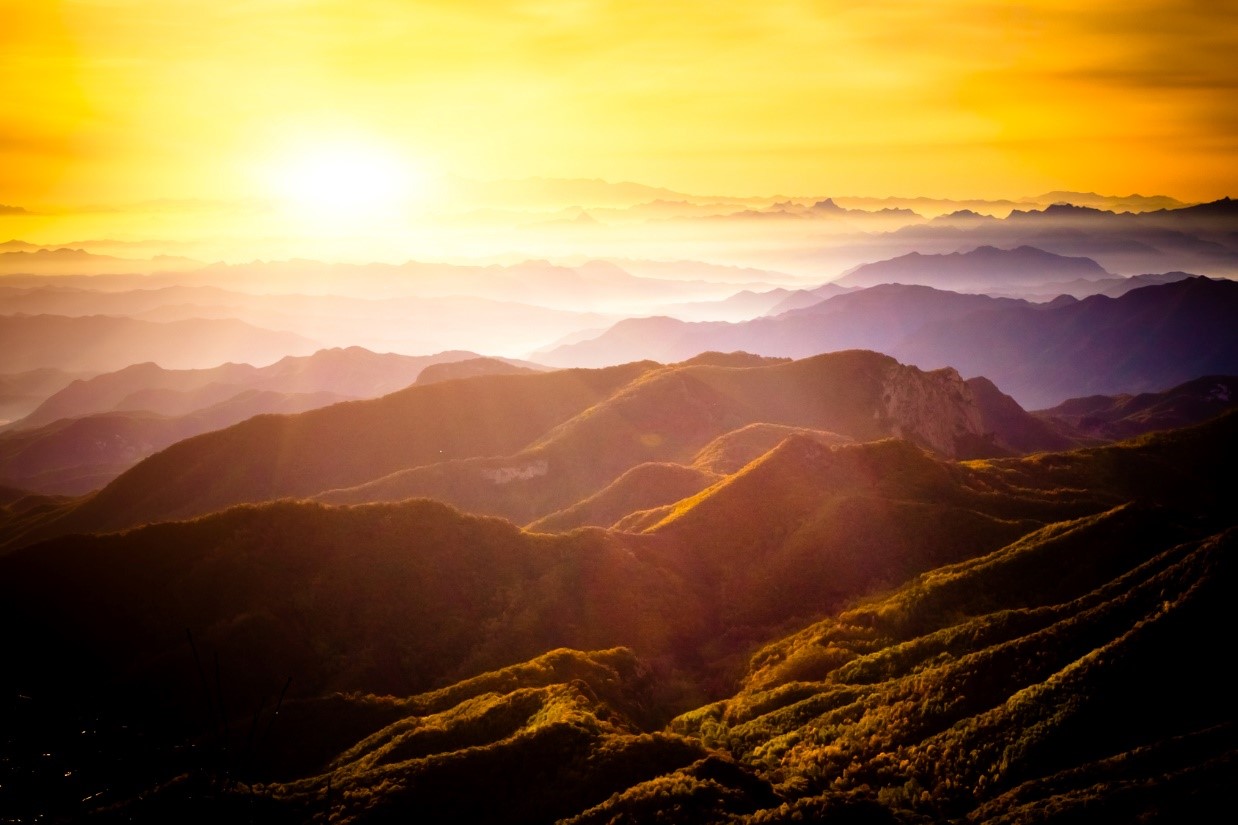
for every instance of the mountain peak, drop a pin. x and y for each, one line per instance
(827, 205)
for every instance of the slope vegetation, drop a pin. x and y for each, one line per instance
(861, 631)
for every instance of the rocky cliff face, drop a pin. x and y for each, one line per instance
(934, 409)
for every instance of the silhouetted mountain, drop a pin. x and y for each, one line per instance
(48, 296)
(801, 298)
(469, 368)
(1223, 211)
(101, 343)
(80, 262)
(1193, 239)
(1112, 203)
(877, 318)
(1146, 339)
(1125, 416)
(739, 307)
(22, 392)
(347, 373)
(1112, 287)
(983, 269)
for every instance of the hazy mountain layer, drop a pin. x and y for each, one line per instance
(1148, 339)
(984, 269)
(21, 392)
(877, 318)
(73, 456)
(102, 343)
(350, 373)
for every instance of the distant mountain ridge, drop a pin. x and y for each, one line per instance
(77, 455)
(1147, 339)
(352, 372)
(983, 269)
(102, 343)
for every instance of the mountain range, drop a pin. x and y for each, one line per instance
(982, 269)
(974, 680)
(100, 343)
(1148, 339)
(524, 446)
(806, 509)
(93, 430)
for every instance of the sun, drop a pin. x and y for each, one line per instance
(345, 183)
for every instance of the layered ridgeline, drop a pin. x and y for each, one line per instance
(525, 446)
(1146, 340)
(98, 343)
(91, 431)
(1043, 648)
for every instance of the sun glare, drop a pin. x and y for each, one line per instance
(346, 184)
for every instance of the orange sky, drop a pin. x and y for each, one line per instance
(117, 101)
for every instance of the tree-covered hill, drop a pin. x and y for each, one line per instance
(863, 631)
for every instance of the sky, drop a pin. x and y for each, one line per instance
(125, 101)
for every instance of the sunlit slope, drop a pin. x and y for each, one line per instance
(731, 451)
(544, 740)
(672, 413)
(656, 484)
(1070, 675)
(644, 486)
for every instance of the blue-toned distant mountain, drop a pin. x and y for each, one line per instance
(983, 269)
(1148, 339)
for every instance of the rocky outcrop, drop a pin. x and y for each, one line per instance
(934, 409)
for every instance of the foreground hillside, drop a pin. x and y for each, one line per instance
(1042, 644)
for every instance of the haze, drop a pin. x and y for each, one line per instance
(227, 119)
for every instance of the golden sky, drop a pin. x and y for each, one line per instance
(117, 101)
